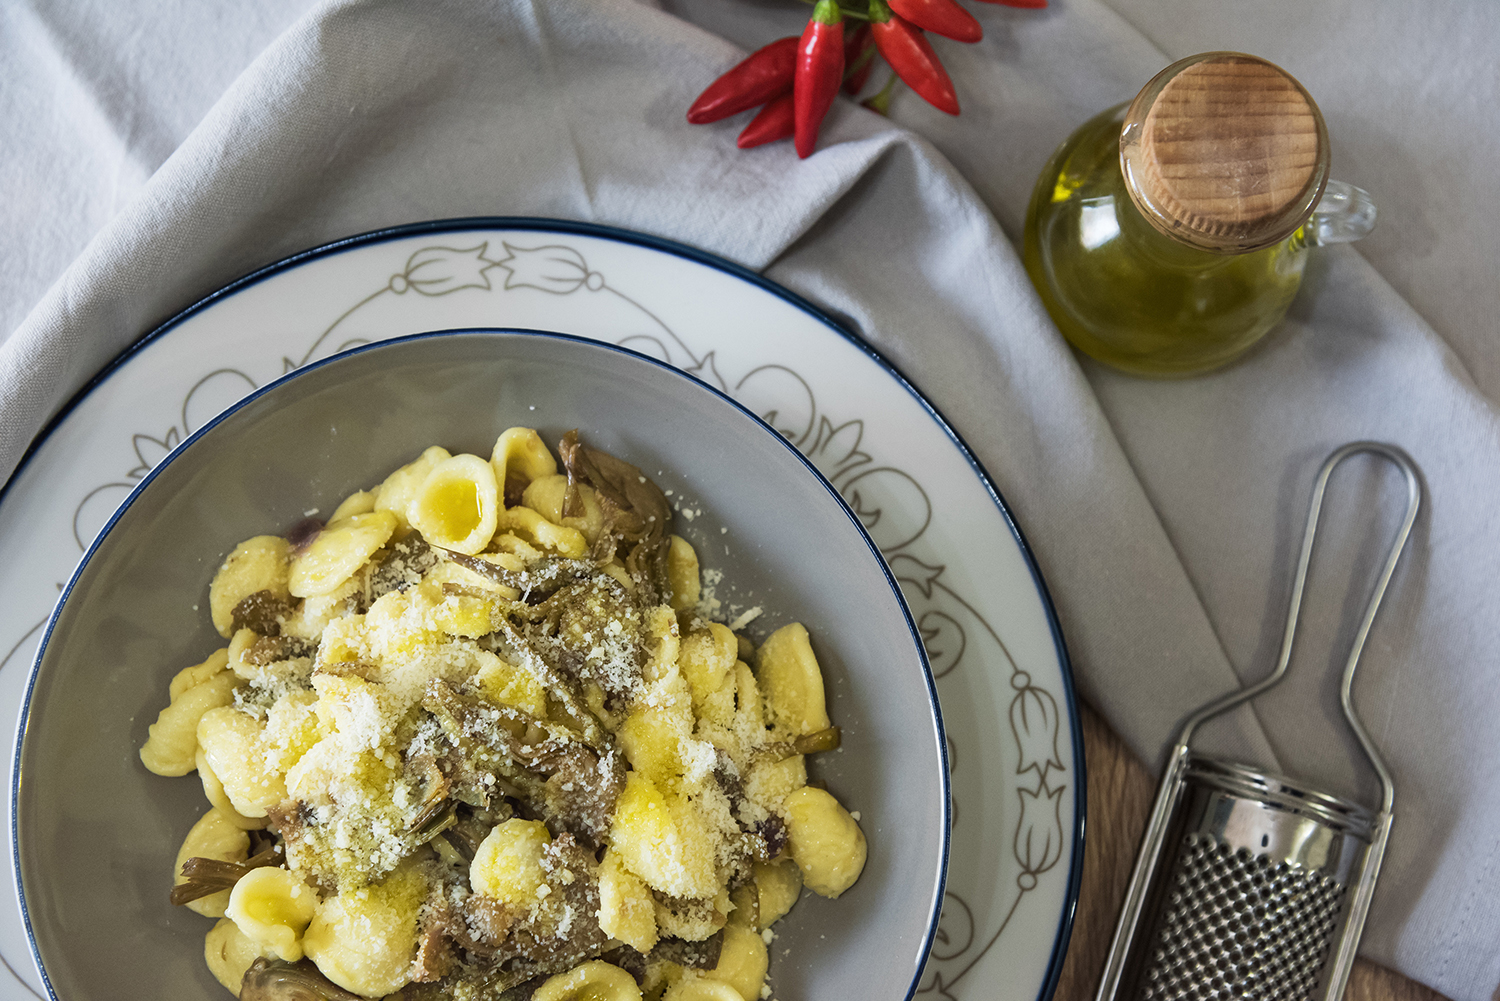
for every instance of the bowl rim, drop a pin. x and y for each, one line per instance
(24, 718)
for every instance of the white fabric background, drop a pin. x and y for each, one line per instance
(153, 152)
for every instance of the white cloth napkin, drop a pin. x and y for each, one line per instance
(166, 151)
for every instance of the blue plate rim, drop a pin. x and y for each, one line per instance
(707, 259)
(944, 779)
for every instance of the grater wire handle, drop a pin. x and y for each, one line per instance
(1152, 856)
(1403, 462)
(1346, 687)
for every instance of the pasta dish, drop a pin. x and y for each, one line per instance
(480, 735)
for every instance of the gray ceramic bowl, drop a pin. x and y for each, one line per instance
(96, 834)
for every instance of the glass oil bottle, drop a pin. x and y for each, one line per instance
(1169, 235)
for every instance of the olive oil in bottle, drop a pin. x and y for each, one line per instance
(1168, 236)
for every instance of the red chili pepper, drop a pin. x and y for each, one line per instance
(941, 17)
(910, 55)
(764, 74)
(776, 121)
(820, 73)
(859, 59)
(1027, 4)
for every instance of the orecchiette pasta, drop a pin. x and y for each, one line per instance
(359, 502)
(773, 889)
(520, 456)
(545, 495)
(743, 959)
(400, 488)
(258, 564)
(338, 551)
(530, 527)
(272, 908)
(232, 746)
(508, 864)
(457, 505)
(364, 940)
(682, 570)
(627, 911)
(229, 954)
(214, 836)
(213, 791)
(190, 677)
(826, 843)
(172, 741)
(662, 840)
(460, 740)
(703, 989)
(791, 683)
(592, 981)
(707, 658)
(771, 780)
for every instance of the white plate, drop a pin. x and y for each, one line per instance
(991, 633)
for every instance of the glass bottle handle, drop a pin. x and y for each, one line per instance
(1344, 214)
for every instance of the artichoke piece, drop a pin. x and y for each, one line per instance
(702, 955)
(634, 506)
(301, 981)
(261, 611)
(210, 875)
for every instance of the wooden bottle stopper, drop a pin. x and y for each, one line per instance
(1226, 152)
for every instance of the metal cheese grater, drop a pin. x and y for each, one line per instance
(1248, 884)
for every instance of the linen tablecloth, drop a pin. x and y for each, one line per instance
(153, 154)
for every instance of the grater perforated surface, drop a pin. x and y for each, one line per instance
(1240, 926)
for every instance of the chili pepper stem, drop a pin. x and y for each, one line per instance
(858, 15)
(880, 103)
